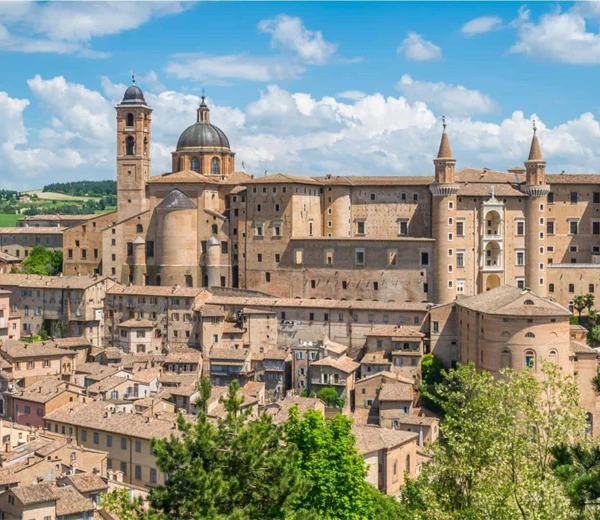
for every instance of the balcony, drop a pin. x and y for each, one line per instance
(329, 382)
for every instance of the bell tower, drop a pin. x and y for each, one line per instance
(133, 152)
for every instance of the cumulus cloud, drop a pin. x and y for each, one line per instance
(450, 99)
(282, 130)
(69, 27)
(416, 48)
(558, 36)
(481, 25)
(290, 33)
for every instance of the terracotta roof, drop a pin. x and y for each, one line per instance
(184, 391)
(332, 346)
(7, 476)
(95, 368)
(375, 358)
(146, 375)
(184, 176)
(280, 411)
(396, 392)
(51, 282)
(235, 178)
(79, 341)
(373, 438)
(6, 257)
(344, 364)
(16, 349)
(507, 300)
(273, 353)
(45, 390)
(487, 176)
(212, 311)
(107, 383)
(33, 230)
(155, 290)
(93, 416)
(535, 152)
(282, 178)
(34, 494)
(376, 180)
(230, 354)
(444, 151)
(183, 355)
(385, 375)
(573, 178)
(485, 190)
(172, 379)
(137, 324)
(398, 331)
(245, 301)
(70, 502)
(86, 482)
(581, 348)
(56, 217)
(416, 420)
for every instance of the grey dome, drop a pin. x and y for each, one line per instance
(134, 95)
(175, 200)
(202, 135)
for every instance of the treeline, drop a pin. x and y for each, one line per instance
(83, 188)
(9, 195)
(85, 208)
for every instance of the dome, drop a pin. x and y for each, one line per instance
(175, 200)
(134, 95)
(202, 135)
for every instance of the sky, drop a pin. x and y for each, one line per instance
(305, 88)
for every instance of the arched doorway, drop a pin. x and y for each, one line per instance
(493, 281)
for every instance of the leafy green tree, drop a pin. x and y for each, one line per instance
(119, 503)
(432, 373)
(494, 459)
(579, 303)
(589, 300)
(328, 395)
(592, 317)
(43, 261)
(593, 336)
(578, 468)
(237, 470)
(330, 462)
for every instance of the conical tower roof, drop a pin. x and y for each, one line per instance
(535, 152)
(444, 152)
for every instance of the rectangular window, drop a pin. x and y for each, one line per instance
(109, 440)
(152, 476)
(596, 228)
(520, 227)
(360, 227)
(596, 197)
(460, 259)
(123, 443)
(328, 257)
(403, 227)
(298, 256)
(138, 472)
(573, 197)
(96, 438)
(573, 227)
(460, 228)
(520, 257)
(83, 435)
(259, 230)
(550, 198)
(359, 257)
(424, 258)
(460, 286)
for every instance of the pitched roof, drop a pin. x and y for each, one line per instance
(573, 178)
(508, 300)
(396, 392)
(50, 282)
(94, 416)
(280, 411)
(45, 390)
(176, 199)
(69, 501)
(183, 355)
(416, 420)
(181, 177)
(343, 364)
(8, 258)
(34, 230)
(16, 349)
(155, 290)
(34, 494)
(230, 354)
(86, 482)
(373, 438)
(376, 180)
(107, 384)
(137, 324)
(282, 178)
(577, 347)
(146, 375)
(375, 358)
(78, 341)
(397, 331)
(385, 375)
(332, 346)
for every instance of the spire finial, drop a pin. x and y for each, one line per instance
(534, 127)
(133, 77)
(203, 98)
(444, 122)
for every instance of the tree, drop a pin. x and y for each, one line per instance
(119, 503)
(592, 317)
(237, 470)
(330, 462)
(432, 373)
(494, 457)
(579, 304)
(43, 262)
(328, 395)
(578, 468)
(589, 300)
(593, 336)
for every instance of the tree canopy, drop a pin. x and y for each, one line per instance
(43, 261)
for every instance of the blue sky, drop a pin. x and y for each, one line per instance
(302, 87)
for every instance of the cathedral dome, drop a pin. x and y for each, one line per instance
(202, 134)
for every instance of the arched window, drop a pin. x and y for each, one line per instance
(530, 335)
(129, 120)
(506, 358)
(195, 164)
(215, 166)
(214, 229)
(408, 464)
(553, 357)
(530, 359)
(130, 145)
(528, 302)
(139, 228)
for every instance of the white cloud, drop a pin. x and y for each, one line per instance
(351, 94)
(69, 27)
(558, 36)
(481, 25)
(295, 132)
(416, 48)
(222, 69)
(290, 33)
(450, 99)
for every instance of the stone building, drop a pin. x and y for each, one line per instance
(19, 241)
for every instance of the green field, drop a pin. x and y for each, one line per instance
(9, 219)
(48, 195)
